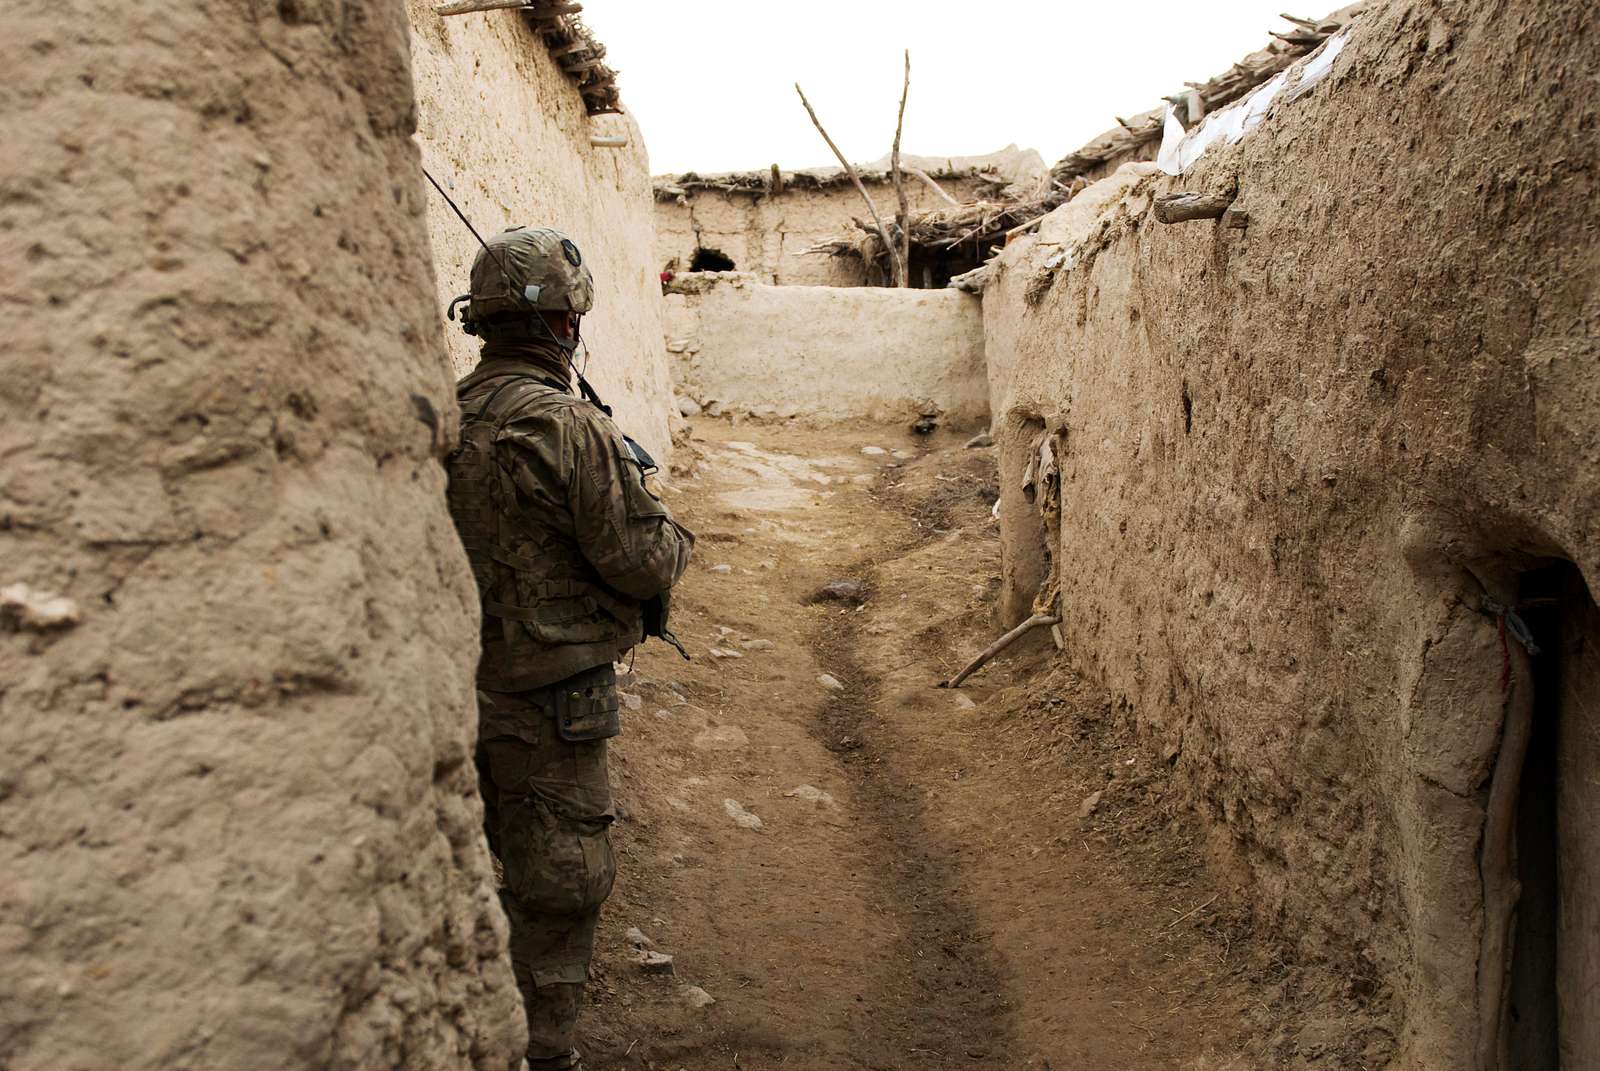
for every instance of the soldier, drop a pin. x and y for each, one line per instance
(574, 558)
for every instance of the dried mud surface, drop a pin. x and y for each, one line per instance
(947, 903)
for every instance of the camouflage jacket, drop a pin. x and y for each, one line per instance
(568, 545)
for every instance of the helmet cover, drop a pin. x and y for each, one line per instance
(529, 267)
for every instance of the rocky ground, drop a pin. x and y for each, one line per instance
(826, 862)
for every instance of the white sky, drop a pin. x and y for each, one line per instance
(712, 81)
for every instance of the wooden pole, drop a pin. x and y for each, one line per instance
(849, 169)
(903, 219)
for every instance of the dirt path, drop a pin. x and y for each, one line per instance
(872, 873)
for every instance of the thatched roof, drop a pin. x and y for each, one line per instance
(992, 220)
(572, 44)
(1137, 137)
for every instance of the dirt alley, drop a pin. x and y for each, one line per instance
(886, 875)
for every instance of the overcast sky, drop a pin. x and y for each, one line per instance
(712, 81)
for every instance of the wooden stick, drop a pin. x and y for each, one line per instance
(1021, 227)
(466, 7)
(927, 179)
(903, 220)
(1189, 913)
(1178, 207)
(1497, 860)
(999, 645)
(849, 169)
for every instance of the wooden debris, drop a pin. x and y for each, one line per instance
(574, 48)
(1180, 207)
(467, 7)
(894, 256)
(999, 645)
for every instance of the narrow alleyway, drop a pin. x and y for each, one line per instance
(864, 871)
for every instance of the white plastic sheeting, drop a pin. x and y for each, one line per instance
(1180, 148)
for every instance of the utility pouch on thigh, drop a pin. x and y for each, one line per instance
(586, 705)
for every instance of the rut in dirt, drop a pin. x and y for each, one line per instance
(945, 1006)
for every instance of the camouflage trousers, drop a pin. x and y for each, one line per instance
(547, 812)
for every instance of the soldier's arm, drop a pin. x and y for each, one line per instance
(626, 532)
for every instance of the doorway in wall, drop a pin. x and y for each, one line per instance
(1550, 1021)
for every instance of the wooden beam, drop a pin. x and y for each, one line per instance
(1180, 207)
(467, 7)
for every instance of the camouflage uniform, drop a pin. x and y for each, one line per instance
(574, 558)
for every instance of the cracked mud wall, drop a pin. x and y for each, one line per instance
(505, 131)
(1294, 449)
(238, 816)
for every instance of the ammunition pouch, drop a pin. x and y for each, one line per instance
(586, 705)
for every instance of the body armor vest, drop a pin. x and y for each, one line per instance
(546, 614)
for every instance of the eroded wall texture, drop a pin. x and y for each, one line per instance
(1301, 458)
(826, 354)
(238, 816)
(506, 133)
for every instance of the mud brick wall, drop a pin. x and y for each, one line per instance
(238, 816)
(826, 353)
(1298, 454)
(506, 132)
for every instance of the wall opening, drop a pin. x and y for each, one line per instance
(932, 267)
(1555, 959)
(711, 260)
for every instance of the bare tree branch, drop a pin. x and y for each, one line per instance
(903, 219)
(883, 232)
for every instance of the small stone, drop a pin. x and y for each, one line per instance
(632, 702)
(979, 441)
(635, 937)
(689, 407)
(873, 451)
(830, 682)
(697, 997)
(1087, 807)
(741, 817)
(841, 590)
(811, 794)
(720, 738)
(904, 455)
(963, 703)
(653, 962)
(757, 645)
(677, 345)
(723, 652)
(721, 569)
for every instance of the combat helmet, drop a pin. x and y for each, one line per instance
(522, 269)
